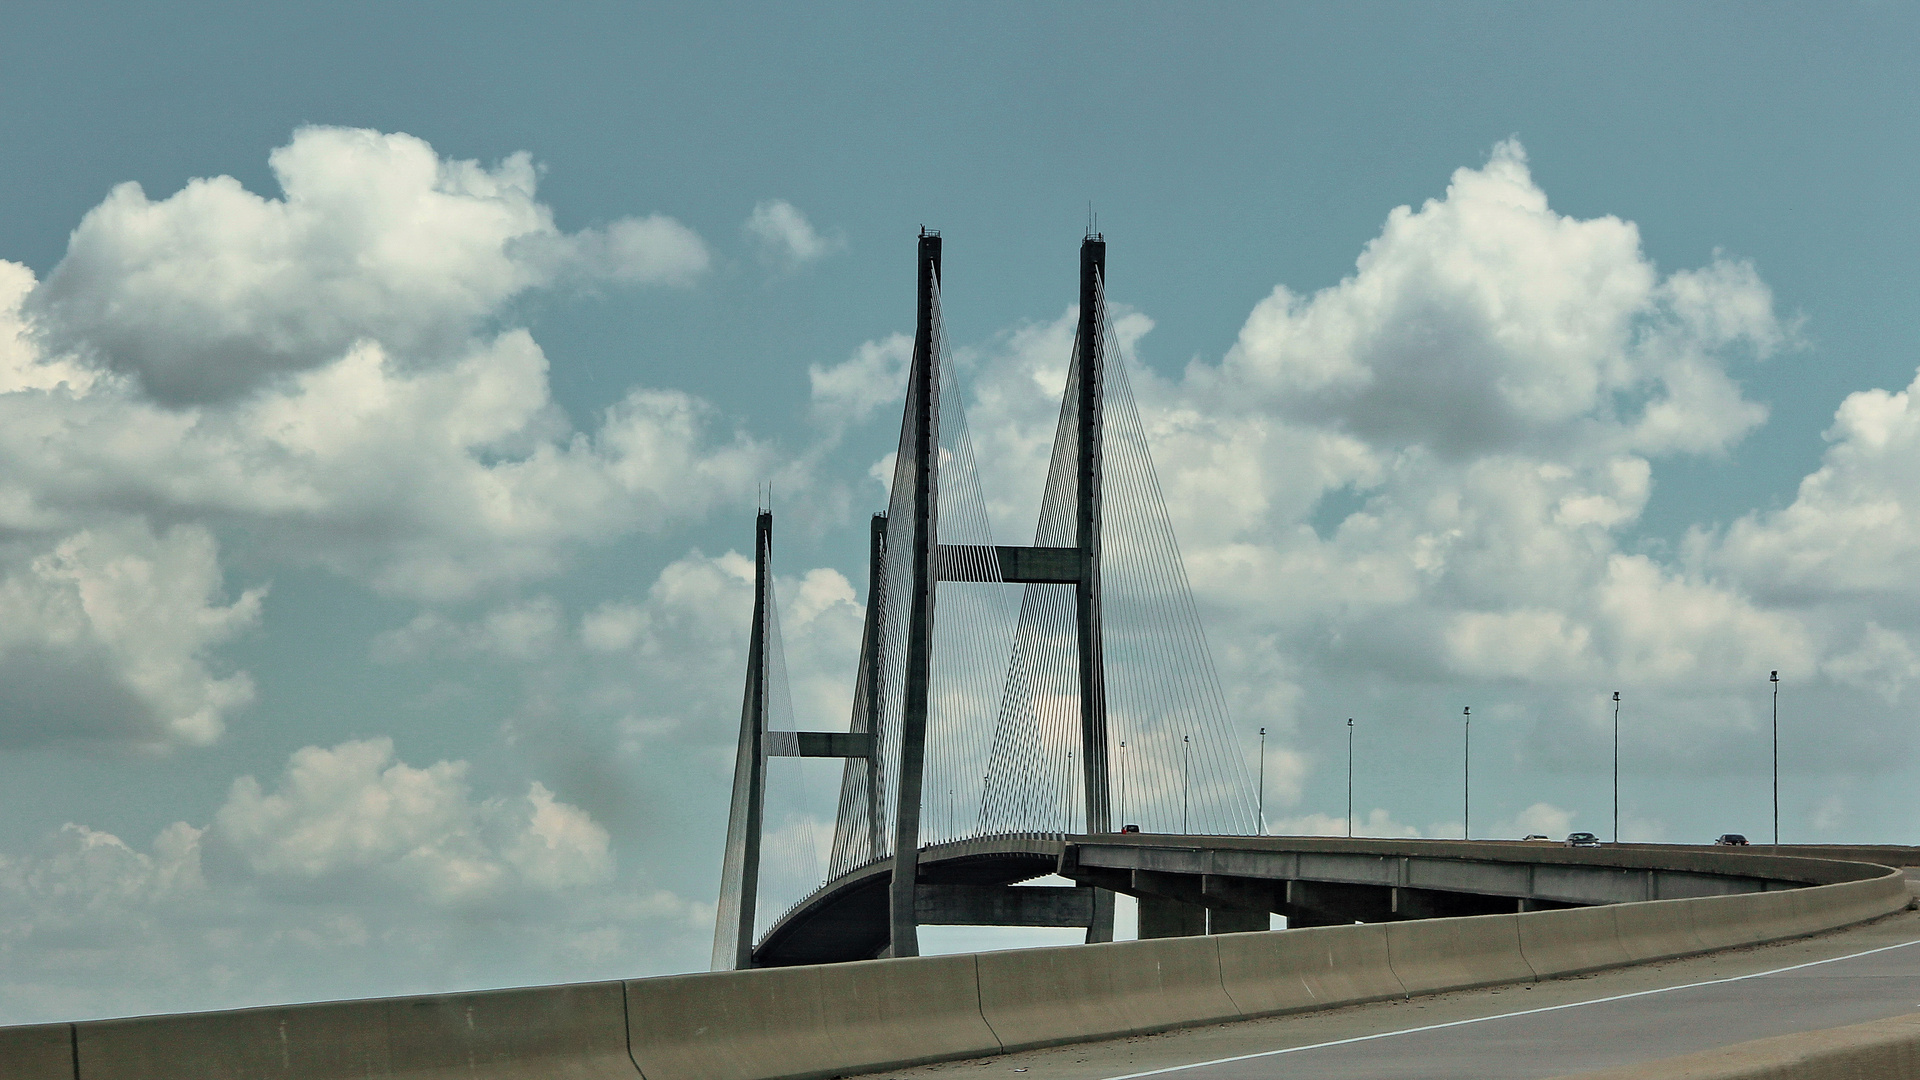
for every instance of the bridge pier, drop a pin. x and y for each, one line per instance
(1176, 905)
(1160, 917)
(1235, 921)
(957, 904)
(1432, 904)
(1333, 903)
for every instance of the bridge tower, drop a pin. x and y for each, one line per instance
(923, 418)
(1093, 664)
(907, 556)
(740, 866)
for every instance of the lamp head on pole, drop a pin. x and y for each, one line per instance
(1263, 733)
(1349, 721)
(1775, 677)
(1616, 695)
(1466, 710)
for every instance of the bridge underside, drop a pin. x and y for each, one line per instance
(967, 883)
(1198, 885)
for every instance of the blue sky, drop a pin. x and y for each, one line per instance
(409, 491)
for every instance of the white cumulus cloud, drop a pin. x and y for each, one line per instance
(785, 236)
(353, 812)
(205, 293)
(1432, 470)
(107, 638)
(431, 479)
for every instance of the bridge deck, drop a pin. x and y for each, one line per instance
(1311, 880)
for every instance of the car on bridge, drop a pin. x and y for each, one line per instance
(1730, 839)
(1582, 839)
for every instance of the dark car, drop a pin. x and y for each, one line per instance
(1730, 839)
(1582, 839)
(1129, 828)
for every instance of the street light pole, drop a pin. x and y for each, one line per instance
(1774, 678)
(1349, 776)
(1466, 780)
(1186, 757)
(1616, 766)
(1262, 822)
(1123, 782)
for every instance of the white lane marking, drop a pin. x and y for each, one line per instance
(1502, 1016)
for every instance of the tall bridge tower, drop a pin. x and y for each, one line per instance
(907, 723)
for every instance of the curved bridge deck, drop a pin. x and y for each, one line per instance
(1197, 884)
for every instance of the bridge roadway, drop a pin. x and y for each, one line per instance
(1553, 1028)
(1193, 884)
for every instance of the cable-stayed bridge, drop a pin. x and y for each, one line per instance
(999, 734)
(1006, 695)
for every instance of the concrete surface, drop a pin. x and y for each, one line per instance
(572, 1032)
(1446, 954)
(37, 1052)
(1876, 1050)
(1503, 1034)
(739, 1025)
(1033, 997)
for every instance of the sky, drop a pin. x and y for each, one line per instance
(386, 392)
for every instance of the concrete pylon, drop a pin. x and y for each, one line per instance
(1090, 471)
(923, 406)
(740, 867)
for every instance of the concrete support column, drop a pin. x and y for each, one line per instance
(1337, 903)
(1100, 926)
(1237, 920)
(1162, 918)
(1299, 918)
(1432, 904)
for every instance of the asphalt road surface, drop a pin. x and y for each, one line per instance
(1524, 1032)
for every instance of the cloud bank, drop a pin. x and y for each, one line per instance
(327, 374)
(1423, 481)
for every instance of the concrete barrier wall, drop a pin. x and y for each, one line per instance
(1571, 941)
(1659, 929)
(1313, 968)
(1795, 912)
(818, 1021)
(1882, 854)
(1039, 997)
(1036, 997)
(807, 1021)
(546, 1033)
(37, 1052)
(1881, 1049)
(1456, 954)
